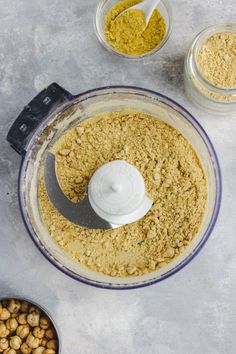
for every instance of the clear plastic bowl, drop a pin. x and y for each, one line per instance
(80, 108)
(99, 24)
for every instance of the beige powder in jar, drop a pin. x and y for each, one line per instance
(174, 179)
(217, 60)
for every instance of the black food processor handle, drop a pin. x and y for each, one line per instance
(34, 113)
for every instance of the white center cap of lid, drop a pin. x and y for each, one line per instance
(117, 193)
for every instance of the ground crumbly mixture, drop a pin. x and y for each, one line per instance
(174, 179)
(129, 34)
(217, 59)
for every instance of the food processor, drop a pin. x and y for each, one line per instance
(53, 112)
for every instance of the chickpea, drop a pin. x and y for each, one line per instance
(38, 332)
(25, 349)
(50, 334)
(9, 351)
(44, 342)
(38, 350)
(23, 331)
(5, 314)
(13, 306)
(15, 342)
(33, 319)
(14, 315)
(44, 322)
(32, 341)
(24, 306)
(52, 344)
(49, 351)
(4, 332)
(22, 318)
(34, 309)
(4, 344)
(12, 324)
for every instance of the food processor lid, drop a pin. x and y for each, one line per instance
(116, 196)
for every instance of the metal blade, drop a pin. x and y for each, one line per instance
(80, 213)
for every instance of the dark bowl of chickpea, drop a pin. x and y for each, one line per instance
(26, 328)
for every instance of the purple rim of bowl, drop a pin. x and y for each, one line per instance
(188, 116)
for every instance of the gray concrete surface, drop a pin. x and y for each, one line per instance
(192, 312)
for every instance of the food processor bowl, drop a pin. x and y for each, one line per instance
(51, 114)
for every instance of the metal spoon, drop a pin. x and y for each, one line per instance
(147, 6)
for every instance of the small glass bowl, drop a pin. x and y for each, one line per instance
(99, 24)
(198, 89)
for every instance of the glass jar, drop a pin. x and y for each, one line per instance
(198, 89)
(99, 24)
